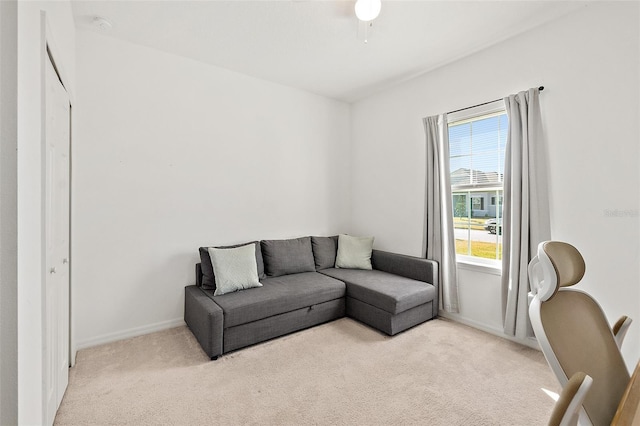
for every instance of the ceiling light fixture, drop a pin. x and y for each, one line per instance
(368, 10)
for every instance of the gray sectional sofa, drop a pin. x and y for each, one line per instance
(301, 287)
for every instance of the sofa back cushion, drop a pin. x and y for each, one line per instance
(208, 277)
(324, 251)
(283, 257)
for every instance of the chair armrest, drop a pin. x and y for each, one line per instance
(567, 408)
(416, 268)
(620, 328)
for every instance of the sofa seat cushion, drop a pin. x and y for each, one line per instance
(388, 292)
(276, 296)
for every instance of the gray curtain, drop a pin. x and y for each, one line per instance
(526, 207)
(439, 240)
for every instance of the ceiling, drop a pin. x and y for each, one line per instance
(319, 46)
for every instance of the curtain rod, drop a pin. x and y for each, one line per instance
(541, 88)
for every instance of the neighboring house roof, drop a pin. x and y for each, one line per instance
(464, 176)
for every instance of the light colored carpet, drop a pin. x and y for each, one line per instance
(340, 373)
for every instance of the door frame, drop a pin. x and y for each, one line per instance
(50, 51)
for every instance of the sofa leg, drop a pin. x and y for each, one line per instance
(213, 358)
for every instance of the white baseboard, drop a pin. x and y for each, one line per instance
(163, 325)
(530, 342)
(132, 332)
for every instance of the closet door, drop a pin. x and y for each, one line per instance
(56, 304)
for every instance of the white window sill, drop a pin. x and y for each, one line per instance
(478, 266)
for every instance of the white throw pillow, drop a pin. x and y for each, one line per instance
(354, 252)
(234, 268)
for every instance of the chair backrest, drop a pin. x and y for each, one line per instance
(567, 408)
(573, 331)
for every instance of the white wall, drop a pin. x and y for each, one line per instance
(8, 213)
(172, 154)
(30, 236)
(588, 63)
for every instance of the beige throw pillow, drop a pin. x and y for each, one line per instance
(234, 268)
(354, 252)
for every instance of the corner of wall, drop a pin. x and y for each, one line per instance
(8, 212)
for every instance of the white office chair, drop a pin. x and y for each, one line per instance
(567, 408)
(573, 331)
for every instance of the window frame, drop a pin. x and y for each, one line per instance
(487, 110)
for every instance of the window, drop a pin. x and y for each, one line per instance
(477, 139)
(477, 202)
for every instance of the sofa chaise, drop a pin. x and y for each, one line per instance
(302, 287)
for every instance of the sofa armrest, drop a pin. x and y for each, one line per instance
(205, 319)
(416, 268)
(412, 267)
